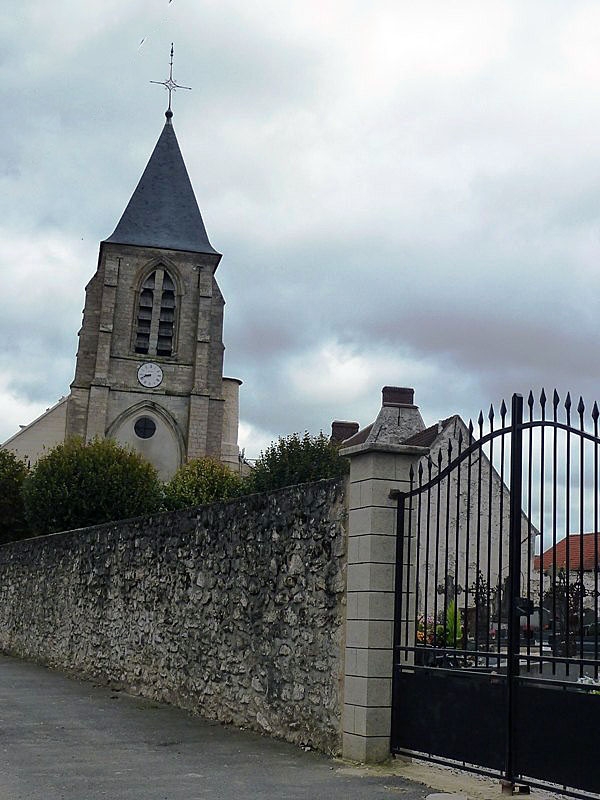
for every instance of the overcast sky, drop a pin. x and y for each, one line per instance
(404, 193)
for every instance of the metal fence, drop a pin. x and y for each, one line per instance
(497, 636)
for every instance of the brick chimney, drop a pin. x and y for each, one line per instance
(340, 430)
(397, 396)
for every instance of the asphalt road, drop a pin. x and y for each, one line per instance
(65, 739)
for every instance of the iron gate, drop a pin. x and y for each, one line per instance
(497, 633)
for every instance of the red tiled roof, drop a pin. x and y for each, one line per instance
(557, 556)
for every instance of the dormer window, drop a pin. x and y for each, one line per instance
(156, 310)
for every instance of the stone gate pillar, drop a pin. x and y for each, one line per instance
(379, 464)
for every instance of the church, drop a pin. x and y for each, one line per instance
(149, 370)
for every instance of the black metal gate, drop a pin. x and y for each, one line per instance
(497, 635)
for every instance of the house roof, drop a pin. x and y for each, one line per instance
(163, 211)
(360, 437)
(557, 556)
(424, 438)
(428, 436)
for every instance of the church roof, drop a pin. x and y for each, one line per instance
(163, 211)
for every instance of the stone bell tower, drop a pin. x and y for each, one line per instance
(149, 367)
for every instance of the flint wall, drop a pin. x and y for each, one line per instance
(235, 611)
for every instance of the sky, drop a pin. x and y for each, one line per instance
(404, 193)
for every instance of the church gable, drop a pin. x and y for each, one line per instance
(45, 432)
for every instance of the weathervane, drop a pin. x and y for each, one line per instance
(170, 85)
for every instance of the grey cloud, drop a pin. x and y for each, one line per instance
(453, 220)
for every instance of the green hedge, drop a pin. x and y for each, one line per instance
(12, 512)
(80, 484)
(200, 481)
(297, 459)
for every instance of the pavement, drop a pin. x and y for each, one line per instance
(66, 739)
(62, 738)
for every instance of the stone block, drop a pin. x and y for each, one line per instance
(348, 718)
(360, 691)
(372, 721)
(376, 492)
(350, 661)
(352, 605)
(365, 749)
(373, 465)
(377, 549)
(354, 550)
(375, 605)
(371, 577)
(369, 633)
(354, 496)
(369, 662)
(372, 520)
(370, 605)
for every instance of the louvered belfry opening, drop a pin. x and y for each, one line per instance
(166, 322)
(155, 322)
(144, 316)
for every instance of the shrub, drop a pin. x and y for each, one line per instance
(200, 481)
(297, 459)
(80, 484)
(12, 513)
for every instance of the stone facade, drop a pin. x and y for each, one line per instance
(234, 611)
(106, 397)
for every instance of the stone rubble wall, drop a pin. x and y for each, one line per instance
(234, 611)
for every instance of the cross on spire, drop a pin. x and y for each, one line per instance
(170, 85)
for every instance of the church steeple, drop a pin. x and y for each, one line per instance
(163, 211)
(149, 370)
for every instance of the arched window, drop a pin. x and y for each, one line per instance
(155, 321)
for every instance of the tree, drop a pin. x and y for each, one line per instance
(200, 481)
(297, 459)
(12, 513)
(78, 484)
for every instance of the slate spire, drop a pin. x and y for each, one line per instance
(163, 211)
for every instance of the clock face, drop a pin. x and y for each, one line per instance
(150, 375)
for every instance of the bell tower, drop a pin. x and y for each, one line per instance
(149, 369)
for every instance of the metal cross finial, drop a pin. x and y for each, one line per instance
(170, 85)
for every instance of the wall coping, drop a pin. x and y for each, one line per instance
(383, 447)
